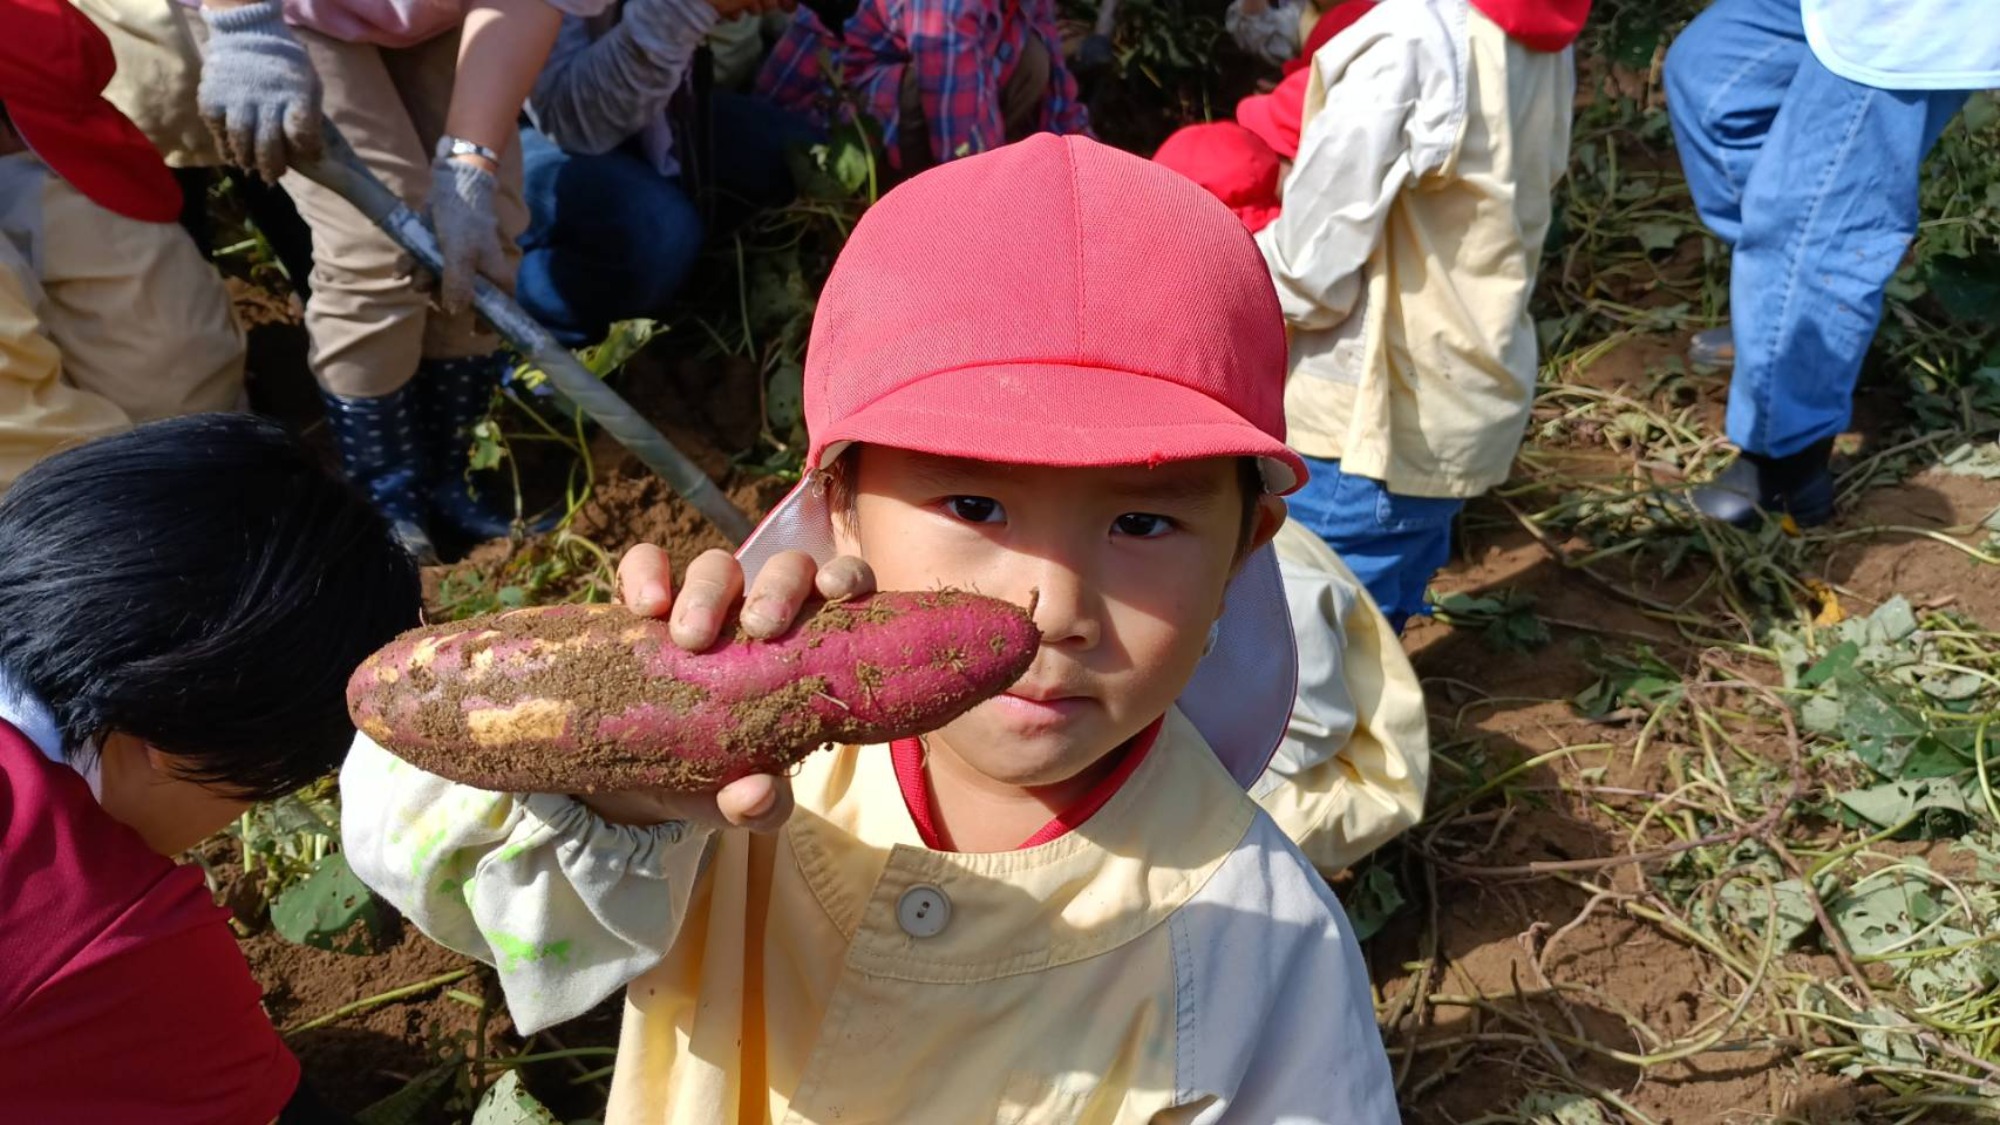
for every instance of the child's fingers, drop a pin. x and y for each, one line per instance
(781, 590)
(845, 577)
(760, 802)
(646, 580)
(713, 583)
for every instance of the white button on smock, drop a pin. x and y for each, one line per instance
(923, 911)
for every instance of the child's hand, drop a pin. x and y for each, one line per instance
(695, 618)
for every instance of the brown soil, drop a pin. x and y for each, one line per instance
(1512, 707)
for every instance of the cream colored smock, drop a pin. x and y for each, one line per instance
(1174, 959)
(1404, 257)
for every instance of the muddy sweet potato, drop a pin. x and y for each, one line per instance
(587, 698)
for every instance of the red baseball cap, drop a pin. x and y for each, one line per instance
(1331, 22)
(1231, 163)
(1060, 302)
(54, 65)
(1279, 116)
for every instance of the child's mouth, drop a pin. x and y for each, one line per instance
(1041, 711)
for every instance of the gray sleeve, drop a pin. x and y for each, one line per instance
(1277, 1020)
(596, 91)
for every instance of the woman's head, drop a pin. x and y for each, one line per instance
(204, 587)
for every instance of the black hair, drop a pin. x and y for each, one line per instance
(837, 478)
(204, 584)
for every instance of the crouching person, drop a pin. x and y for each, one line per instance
(180, 608)
(109, 314)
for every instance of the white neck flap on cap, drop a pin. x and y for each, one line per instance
(1240, 698)
(25, 712)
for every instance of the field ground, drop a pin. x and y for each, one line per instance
(1712, 828)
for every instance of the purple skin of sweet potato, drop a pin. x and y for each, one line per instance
(577, 699)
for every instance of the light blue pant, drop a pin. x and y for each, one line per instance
(1812, 181)
(1394, 544)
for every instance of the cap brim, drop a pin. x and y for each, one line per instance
(1259, 114)
(104, 156)
(1257, 216)
(1063, 415)
(1240, 697)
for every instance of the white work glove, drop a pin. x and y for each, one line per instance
(258, 93)
(468, 234)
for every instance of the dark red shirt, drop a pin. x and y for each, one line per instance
(123, 995)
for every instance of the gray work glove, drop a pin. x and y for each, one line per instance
(468, 234)
(259, 94)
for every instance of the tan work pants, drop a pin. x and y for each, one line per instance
(370, 318)
(124, 322)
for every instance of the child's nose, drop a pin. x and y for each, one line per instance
(1066, 607)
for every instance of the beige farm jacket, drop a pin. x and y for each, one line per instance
(1174, 959)
(105, 321)
(1413, 222)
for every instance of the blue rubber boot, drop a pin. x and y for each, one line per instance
(1753, 487)
(457, 394)
(380, 452)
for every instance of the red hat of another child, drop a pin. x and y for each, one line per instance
(1232, 163)
(1279, 116)
(1330, 23)
(1059, 302)
(54, 65)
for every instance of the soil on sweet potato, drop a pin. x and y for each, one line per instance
(586, 698)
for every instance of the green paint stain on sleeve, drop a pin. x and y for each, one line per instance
(515, 952)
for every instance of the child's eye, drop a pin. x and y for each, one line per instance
(976, 509)
(1143, 525)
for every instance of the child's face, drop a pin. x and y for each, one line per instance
(1127, 567)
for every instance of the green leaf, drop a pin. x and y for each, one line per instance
(1751, 905)
(1561, 1107)
(1880, 732)
(487, 450)
(1973, 459)
(848, 159)
(507, 1102)
(784, 397)
(1897, 801)
(1968, 287)
(332, 909)
(1883, 917)
(1659, 235)
(1838, 661)
(1374, 899)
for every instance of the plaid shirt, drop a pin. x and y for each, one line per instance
(963, 50)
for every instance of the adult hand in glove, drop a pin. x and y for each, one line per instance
(468, 234)
(259, 94)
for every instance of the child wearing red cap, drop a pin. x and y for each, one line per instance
(1435, 132)
(109, 315)
(1062, 904)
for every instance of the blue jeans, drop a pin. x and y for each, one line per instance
(1394, 544)
(608, 239)
(1812, 181)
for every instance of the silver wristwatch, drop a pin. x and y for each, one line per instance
(458, 146)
